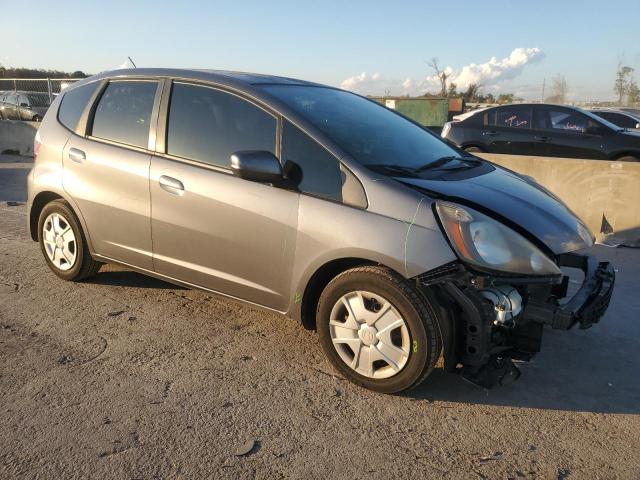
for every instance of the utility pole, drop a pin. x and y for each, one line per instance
(544, 81)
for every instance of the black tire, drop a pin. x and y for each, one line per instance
(473, 149)
(419, 317)
(628, 158)
(37, 118)
(84, 266)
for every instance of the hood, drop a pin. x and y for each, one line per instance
(523, 205)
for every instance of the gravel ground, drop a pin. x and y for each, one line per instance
(128, 377)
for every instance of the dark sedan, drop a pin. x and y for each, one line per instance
(543, 130)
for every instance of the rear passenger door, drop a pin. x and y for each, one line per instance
(210, 228)
(106, 167)
(508, 130)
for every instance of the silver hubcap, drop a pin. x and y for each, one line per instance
(369, 334)
(59, 241)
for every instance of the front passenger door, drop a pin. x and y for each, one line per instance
(561, 132)
(210, 228)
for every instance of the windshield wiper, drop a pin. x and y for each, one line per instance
(468, 161)
(385, 168)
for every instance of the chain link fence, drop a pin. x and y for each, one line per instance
(50, 86)
(29, 98)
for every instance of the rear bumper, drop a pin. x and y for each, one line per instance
(589, 303)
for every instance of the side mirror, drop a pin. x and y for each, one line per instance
(256, 166)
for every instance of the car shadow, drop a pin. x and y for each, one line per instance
(129, 278)
(573, 372)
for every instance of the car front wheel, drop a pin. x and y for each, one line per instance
(377, 329)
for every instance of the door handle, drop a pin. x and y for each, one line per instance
(490, 133)
(77, 155)
(541, 139)
(171, 185)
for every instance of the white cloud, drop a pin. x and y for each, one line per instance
(489, 74)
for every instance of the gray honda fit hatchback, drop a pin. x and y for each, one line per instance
(317, 203)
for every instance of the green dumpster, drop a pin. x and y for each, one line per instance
(429, 112)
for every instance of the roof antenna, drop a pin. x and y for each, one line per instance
(132, 62)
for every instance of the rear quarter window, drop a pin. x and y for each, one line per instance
(73, 104)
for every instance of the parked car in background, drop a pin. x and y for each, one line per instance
(619, 117)
(317, 203)
(543, 130)
(17, 105)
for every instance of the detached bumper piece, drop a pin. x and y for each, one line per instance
(587, 306)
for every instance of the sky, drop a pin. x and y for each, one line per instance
(367, 46)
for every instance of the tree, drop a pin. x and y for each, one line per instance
(505, 98)
(626, 86)
(623, 81)
(488, 98)
(559, 89)
(441, 74)
(472, 93)
(633, 93)
(453, 90)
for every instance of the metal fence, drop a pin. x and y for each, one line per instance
(50, 86)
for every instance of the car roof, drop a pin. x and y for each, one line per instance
(218, 76)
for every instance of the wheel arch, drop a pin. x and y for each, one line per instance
(478, 145)
(43, 198)
(619, 155)
(305, 307)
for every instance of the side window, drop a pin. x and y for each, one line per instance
(208, 125)
(124, 112)
(513, 116)
(310, 165)
(73, 104)
(23, 100)
(567, 120)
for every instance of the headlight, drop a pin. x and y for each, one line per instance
(482, 241)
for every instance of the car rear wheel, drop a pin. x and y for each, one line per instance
(377, 329)
(37, 118)
(63, 243)
(473, 149)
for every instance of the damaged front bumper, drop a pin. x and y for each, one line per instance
(589, 303)
(480, 344)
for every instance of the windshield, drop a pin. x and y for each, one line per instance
(368, 132)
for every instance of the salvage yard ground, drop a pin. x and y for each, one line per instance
(125, 376)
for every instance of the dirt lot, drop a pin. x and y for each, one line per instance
(128, 377)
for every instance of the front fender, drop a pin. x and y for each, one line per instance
(329, 231)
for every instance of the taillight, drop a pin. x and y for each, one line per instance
(36, 145)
